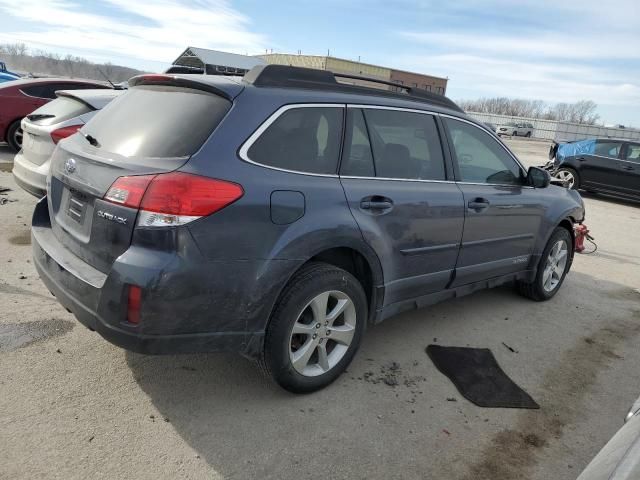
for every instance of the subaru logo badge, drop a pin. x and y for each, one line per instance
(70, 165)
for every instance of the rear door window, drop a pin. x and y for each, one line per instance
(405, 145)
(157, 121)
(357, 159)
(305, 139)
(608, 149)
(633, 153)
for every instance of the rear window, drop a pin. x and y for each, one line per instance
(58, 110)
(157, 121)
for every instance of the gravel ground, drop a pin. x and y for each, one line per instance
(74, 406)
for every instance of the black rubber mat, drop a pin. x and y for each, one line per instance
(478, 377)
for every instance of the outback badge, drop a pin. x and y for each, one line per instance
(111, 217)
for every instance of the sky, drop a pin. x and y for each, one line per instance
(556, 51)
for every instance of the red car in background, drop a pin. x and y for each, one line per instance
(19, 98)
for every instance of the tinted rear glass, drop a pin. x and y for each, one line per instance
(157, 121)
(301, 139)
(59, 110)
(405, 145)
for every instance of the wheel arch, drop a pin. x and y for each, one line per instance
(359, 260)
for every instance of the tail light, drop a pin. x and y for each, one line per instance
(133, 304)
(64, 132)
(170, 199)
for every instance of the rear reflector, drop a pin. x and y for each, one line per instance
(133, 304)
(171, 199)
(64, 132)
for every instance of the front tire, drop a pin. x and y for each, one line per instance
(569, 176)
(14, 136)
(553, 267)
(315, 329)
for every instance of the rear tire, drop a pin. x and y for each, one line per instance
(514, 134)
(14, 136)
(570, 176)
(553, 267)
(315, 329)
(528, 135)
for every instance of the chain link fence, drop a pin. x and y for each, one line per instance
(559, 131)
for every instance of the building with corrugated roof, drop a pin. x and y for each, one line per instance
(351, 67)
(213, 62)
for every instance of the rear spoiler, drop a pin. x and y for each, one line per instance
(176, 81)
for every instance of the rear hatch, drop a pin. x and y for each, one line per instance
(63, 112)
(149, 129)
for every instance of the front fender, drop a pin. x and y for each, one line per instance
(564, 205)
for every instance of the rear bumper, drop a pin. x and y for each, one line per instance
(169, 325)
(30, 177)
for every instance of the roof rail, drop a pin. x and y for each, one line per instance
(298, 77)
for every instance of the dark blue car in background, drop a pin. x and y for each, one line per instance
(604, 165)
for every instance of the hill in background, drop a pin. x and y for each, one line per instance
(20, 59)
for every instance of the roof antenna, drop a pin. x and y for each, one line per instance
(107, 78)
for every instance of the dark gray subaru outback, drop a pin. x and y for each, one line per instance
(280, 215)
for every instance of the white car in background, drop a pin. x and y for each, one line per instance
(49, 124)
(515, 129)
(620, 458)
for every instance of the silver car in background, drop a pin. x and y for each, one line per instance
(620, 458)
(515, 129)
(49, 124)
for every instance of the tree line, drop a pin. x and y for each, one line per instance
(21, 59)
(583, 111)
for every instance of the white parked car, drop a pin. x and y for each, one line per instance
(49, 124)
(620, 458)
(515, 129)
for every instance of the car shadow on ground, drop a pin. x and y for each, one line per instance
(244, 426)
(610, 199)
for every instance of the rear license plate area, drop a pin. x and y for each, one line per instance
(77, 206)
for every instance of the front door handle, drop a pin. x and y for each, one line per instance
(581, 159)
(627, 167)
(478, 204)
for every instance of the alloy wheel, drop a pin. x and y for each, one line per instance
(555, 266)
(567, 177)
(17, 137)
(322, 333)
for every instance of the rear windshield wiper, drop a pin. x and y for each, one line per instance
(90, 139)
(39, 116)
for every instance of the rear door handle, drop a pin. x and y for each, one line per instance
(627, 167)
(581, 159)
(478, 204)
(376, 203)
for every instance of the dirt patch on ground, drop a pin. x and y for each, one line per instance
(394, 376)
(6, 166)
(18, 335)
(23, 238)
(11, 290)
(511, 453)
(628, 294)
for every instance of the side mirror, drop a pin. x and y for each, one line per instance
(538, 178)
